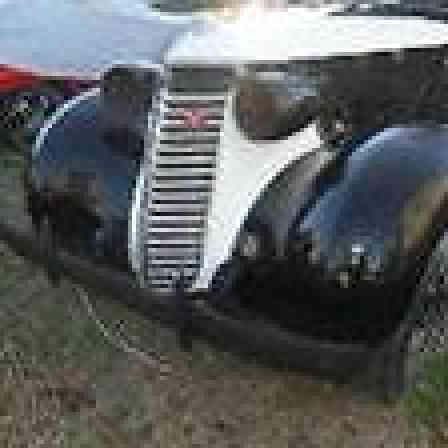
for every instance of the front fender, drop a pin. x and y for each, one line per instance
(75, 174)
(374, 227)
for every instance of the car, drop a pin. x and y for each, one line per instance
(284, 172)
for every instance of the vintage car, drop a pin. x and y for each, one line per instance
(288, 168)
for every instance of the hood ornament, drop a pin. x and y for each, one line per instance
(194, 119)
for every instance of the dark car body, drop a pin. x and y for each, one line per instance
(300, 184)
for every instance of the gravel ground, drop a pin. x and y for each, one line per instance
(66, 383)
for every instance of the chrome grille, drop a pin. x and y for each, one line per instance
(183, 165)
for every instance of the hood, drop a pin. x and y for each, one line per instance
(83, 38)
(297, 33)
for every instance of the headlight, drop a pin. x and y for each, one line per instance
(272, 103)
(127, 93)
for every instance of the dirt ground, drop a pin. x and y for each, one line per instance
(68, 381)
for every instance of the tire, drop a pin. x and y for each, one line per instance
(398, 366)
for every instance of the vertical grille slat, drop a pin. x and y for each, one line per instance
(182, 173)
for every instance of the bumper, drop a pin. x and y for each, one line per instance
(302, 301)
(249, 335)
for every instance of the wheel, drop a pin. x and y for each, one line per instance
(399, 364)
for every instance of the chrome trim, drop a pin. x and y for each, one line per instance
(179, 169)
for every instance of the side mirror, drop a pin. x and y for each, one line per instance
(126, 99)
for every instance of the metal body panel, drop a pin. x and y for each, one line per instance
(293, 191)
(74, 39)
(245, 170)
(81, 40)
(371, 227)
(259, 36)
(72, 144)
